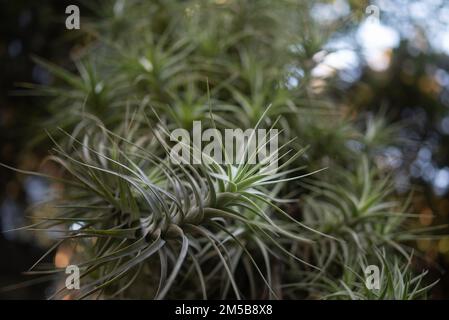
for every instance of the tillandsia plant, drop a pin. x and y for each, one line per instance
(142, 226)
(191, 223)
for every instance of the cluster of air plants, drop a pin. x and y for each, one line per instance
(148, 228)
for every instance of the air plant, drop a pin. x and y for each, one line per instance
(144, 227)
(137, 211)
(398, 281)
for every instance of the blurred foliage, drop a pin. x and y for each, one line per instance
(26, 28)
(412, 93)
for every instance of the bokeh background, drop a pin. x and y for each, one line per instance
(393, 61)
